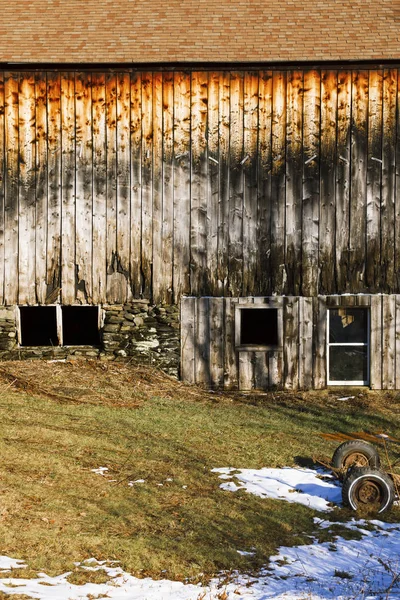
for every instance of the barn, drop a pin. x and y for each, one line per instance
(213, 189)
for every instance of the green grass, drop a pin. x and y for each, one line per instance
(54, 511)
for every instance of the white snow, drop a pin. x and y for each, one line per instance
(340, 570)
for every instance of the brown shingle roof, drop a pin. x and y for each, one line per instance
(140, 31)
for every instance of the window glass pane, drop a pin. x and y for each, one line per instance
(348, 364)
(259, 326)
(348, 325)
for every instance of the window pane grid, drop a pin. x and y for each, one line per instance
(348, 346)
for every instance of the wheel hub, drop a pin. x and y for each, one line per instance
(369, 493)
(356, 459)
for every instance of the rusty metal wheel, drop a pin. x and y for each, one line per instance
(355, 453)
(369, 489)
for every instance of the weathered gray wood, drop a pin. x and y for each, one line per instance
(181, 184)
(41, 165)
(294, 180)
(2, 189)
(250, 204)
(305, 342)
(158, 282)
(216, 310)
(374, 176)
(168, 187)
(147, 183)
(83, 188)
(223, 170)
(199, 173)
(291, 342)
(99, 276)
(397, 342)
(277, 258)
(319, 347)
(213, 183)
(261, 362)
(327, 225)
(388, 341)
(202, 342)
(188, 340)
(246, 358)
(388, 213)
(343, 181)
(27, 189)
(228, 340)
(397, 188)
(11, 94)
(136, 184)
(376, 343)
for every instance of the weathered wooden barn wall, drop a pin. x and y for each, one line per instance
(209, 355)
(125, 184)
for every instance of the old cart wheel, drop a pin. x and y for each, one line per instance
(369, 489)
(355, 453)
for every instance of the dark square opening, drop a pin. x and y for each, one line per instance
(259, 327)
(80, 325)
(38, 326)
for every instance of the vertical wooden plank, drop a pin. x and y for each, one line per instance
(41, 186)
(374, 176)
(388, 341)
(343, 182)
(181, 273)
(11, 93)
(223, 200)
(199, 172)
(168, 187)
(83, 189)
(376, 343)
(305, 343)
(202, 363)
(250, 204)
(397, 187)
(158, 283)
(114, 283)
(99, 275)
(261, 362)
(216, 356)
(358, 219)
(231, 367)
(319, 353)
(388, 213)
(277, 258)
(246, 359)
(310, 208)
(264, 168)
(213, 183)
(291, 342)
(136, 184)
(188, 343)
(27, 190)
(294, 181)
(235, 249)
(68, 271)
(397, 343)
(123, 182)
(327, 231)
(3, 152)
(147, 182)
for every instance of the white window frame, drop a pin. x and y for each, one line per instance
(350, 345)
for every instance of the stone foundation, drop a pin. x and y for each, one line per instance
(137, 331)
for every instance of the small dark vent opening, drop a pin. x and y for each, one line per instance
(80, 325)
(38, 326)
(259, 327)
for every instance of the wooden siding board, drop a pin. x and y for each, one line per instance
(328, 163)
(397, 188)
(83, 188)
(181, 260)
(278, 182)
(343, 181)
(320, 340)
(294, 180)
(264, 179)
(158, 283)
(136, 184)
(359, 131)
(250, 192)
(311, 176)
(3, 154)
(147, 183)
(188, 339)
(202, 342)
(291, 342)
(113, 287)
(236, 181)
(230, 355)
(11, 182)
(41, 166)
(27, 190)
(213, 183)
(305, 342)
(99, 267)
(374, 177)
(165, 292)
(397, 342)
(261, 362)
(216, 356)
(388, 341)
(376, 343)
(223, 170)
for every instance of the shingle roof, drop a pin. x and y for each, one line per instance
(137, 31)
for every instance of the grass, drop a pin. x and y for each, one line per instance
(55, 511)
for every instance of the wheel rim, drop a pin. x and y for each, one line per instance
(356, 459)
(369, 492)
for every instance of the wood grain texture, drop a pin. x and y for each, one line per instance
(41, 200)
